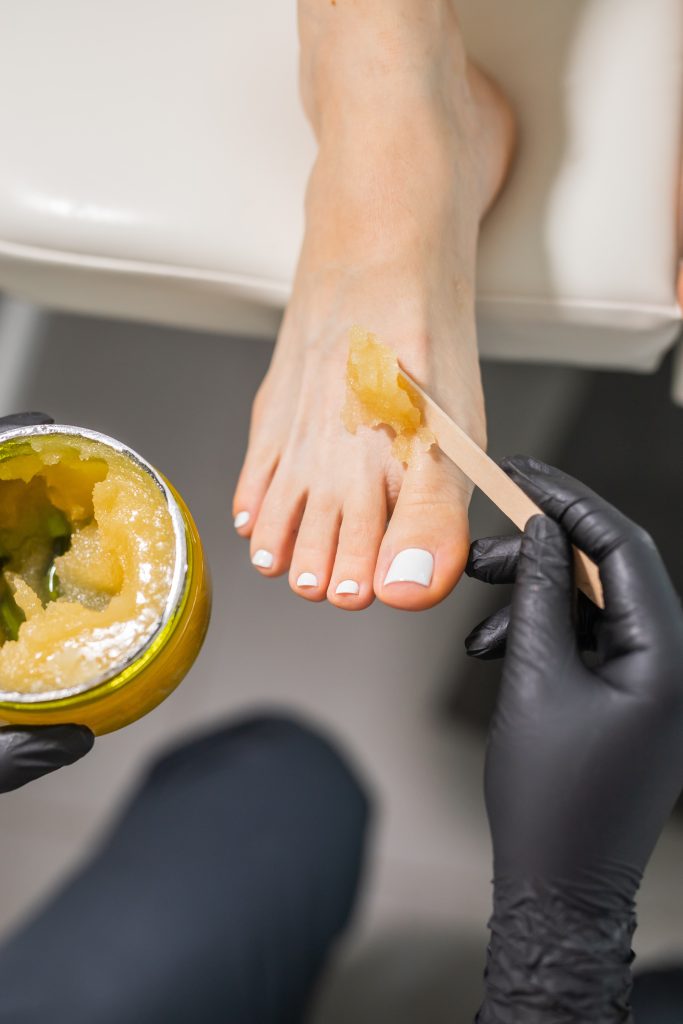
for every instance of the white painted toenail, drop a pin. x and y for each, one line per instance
(241, 519)
(262, 558)
(348, 587)
(307, 579)
(413, 565)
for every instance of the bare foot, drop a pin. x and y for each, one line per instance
(414, 144)
(680, 242)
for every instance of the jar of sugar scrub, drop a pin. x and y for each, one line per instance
(104, 593)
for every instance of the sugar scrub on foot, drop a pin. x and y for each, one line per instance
(87, 553)
(377, 395)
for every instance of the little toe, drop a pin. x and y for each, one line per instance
(315, 546)
(275, 529)
(255, 478)
(425, 547)
(363, 525)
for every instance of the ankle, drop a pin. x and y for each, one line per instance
(356, 57)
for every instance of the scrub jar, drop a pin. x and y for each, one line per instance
(104, 592)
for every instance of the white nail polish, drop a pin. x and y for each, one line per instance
(241, 519)
(262, 558)
(348, 587)
(307, 579)
(412, 565)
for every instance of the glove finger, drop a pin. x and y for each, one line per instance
(494, 559)
(487, 640)
(639, 596)
(24, 419)
(540, 636)
(26, 754)
(591, 522)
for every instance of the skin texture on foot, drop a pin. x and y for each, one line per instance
(413, 147)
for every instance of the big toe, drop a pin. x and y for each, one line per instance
(425, 547)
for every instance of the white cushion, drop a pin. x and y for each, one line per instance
(155, 157)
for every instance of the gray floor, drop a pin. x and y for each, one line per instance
(376, 679)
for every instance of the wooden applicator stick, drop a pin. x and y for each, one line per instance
(496, 485)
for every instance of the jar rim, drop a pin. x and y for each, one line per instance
(178, 585)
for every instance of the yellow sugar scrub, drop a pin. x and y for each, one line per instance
(104, 598)
(377, 395)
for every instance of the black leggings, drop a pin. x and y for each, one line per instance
(217, 896)
(215, 899)
(658, 997)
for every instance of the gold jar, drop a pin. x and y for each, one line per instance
(148, 673)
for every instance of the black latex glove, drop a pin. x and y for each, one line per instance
(584, 764)
(494, 560)
(28, 753)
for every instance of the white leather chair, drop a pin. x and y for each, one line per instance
(154, 157)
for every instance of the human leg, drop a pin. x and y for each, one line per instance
(658, 996)
(414, 144)
(216, 897)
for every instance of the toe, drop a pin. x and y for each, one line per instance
(267, 431)
(315, 546)
(275, 529)
(425, 547)
(254, 480)
(363, 525)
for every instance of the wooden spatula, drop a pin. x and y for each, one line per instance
(496, 485)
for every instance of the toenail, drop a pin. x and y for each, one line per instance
(307, 579)
(412, 565)
(348, 587)
(263, 559)
(241, 519)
